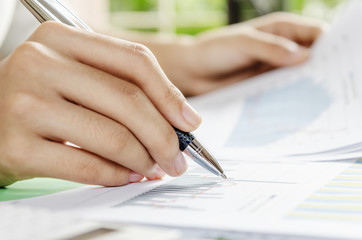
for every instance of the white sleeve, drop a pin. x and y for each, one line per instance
(17, 23)
(20, 23)
(7, 8)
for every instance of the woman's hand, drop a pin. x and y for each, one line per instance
(107, 96)
(221, 57)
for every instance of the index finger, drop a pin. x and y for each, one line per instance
(297, 28)
(125, 60)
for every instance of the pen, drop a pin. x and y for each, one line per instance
(54, 10)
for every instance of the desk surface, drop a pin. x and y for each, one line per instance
(34, 188)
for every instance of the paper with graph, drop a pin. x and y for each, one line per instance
(308, 199)
(313, 110)
(319, 199)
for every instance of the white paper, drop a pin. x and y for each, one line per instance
(314, 108)
(285, 198)
(302, 199)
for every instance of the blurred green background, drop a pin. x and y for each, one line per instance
(193, 16)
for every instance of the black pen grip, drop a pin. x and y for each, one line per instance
(184, 138)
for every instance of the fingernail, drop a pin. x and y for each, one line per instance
(157, 172)
(298, 56)
(190, 115)
(135, 177)
(291, 46)
(180, 164)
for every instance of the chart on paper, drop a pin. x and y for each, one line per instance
(199, 191)
(254, 196)
(270, 116)
(338, 200)
(250, 190)
(310, 109)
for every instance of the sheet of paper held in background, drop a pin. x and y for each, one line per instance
(311, 110)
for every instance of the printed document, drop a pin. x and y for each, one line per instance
(311, 110)
(299, 199)
(307, 112)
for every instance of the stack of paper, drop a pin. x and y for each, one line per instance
(307, 112)
(275, 200)
(312, 110)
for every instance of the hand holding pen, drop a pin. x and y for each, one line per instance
(106, 95)
(54, 10)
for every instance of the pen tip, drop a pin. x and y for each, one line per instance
(223, 176)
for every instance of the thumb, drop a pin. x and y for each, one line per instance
(272, 49)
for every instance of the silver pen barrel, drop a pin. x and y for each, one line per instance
(201, 156)
(53, 10)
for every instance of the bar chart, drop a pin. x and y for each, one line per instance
(174, 194)
(338, 200)
(250, 188)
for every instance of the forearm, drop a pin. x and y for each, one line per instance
(217, 58)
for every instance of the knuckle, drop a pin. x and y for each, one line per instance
(25, 56)
(143, 54)
(49, 28)
(24, 62)
(90, 172)
(133, 93)
(118, 139)
(172, 94)
(142, 51)
(118, 177)
(22, 104)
